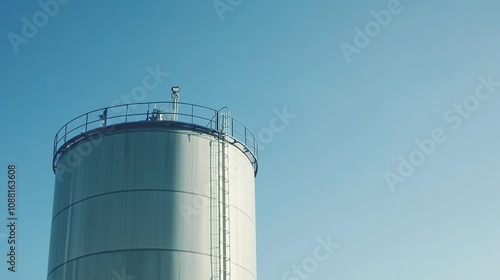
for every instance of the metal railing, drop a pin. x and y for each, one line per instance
(199, 116)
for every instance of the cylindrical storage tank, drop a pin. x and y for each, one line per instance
(153, 200)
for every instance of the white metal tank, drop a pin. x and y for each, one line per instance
(141, 197)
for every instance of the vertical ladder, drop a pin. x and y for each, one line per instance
(219, 206)
(225, 251)
(214, 211)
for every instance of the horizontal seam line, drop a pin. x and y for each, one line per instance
(141, 249)
(136, 190)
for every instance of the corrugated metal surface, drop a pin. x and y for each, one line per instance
(138, 204)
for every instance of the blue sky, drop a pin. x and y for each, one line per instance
(323, 175)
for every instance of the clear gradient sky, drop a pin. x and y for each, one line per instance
(324, 174)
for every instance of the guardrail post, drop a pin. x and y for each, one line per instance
(126, 113)
(55, 144)
(86, 121)
(65, 132)
(217, 121)
(147, 113)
